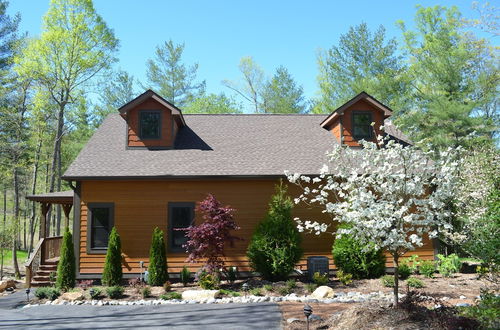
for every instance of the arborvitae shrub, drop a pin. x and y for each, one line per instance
(112, 274)
(185, 276)
(157, 270)
(349, 257)
(275, 246)
(66, 270)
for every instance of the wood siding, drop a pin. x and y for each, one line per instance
(167, 135)
(140, 206)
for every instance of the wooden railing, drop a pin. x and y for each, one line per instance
(47, 248)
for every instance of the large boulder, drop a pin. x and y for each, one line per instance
(323, 292)
(200, 294)
(8, 283)
(72, 296)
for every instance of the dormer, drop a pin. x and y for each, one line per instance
(351, 122)
(152, 122)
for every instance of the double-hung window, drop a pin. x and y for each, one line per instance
(101, 222)
(149, 124)
(361, 125)
(180, 216)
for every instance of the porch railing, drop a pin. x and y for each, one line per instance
(47, 248)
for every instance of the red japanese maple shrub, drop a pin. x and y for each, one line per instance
(207, 241)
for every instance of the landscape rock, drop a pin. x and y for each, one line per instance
(292, 320)
(6, 284)
(72, 296)
(323, 292)
(314, 317)
(200, 294)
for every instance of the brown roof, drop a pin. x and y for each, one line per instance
(243, 145)
(58, 197)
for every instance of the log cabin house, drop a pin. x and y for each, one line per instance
(148, 164)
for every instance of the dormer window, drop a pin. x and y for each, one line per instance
(149, 124)
(361, 125)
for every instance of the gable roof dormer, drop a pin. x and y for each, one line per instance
(351, 122)
(152, 121)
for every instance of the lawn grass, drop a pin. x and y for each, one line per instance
(21, 257)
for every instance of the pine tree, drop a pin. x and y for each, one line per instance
(157, 270)
(112, 274)
(281, 94)
(275, 246)
(66, 269)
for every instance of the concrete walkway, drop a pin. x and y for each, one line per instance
(199, 316)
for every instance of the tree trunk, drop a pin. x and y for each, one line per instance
(396, 280)
(55, 179)
(36, 164)
(4, 228)
(17, 274)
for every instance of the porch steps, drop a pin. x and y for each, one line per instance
(42, 276)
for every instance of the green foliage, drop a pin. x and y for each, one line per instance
(344, 278)
(171, 296)
(52, 277)
(47, 293)
(387, 281)
(291, 284)
(167, 286)
(208, 281)
(413, 262)
(229, 293)
(256, 292)
(171, 78)
(351, 257)
(66, 269)
(414, 282)
(320, 279)
(487, 311)
(268, 287)
(310, 287)
(231, 274)
(145, 292)
(404, 271)
(281, 94)
(427, 268)
(157, 259)
(213, 104)
(185, 276)
(284, 290)
(112, 273)
(114, 292)
(447, 266)
(275, 245)
(95, 293)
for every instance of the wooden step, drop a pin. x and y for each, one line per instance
(48, 268)
(53, 261)
(37, 284)
(41, 278)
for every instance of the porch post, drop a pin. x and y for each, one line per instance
(67, 210)
(43, 219)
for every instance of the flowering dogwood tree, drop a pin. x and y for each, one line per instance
(390, 195)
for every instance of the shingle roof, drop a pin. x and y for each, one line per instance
(210, 145)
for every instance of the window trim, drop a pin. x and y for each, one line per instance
(171, 205)
(370, 132)
(141, 112)
(90, 206)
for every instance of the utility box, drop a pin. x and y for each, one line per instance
(317, 264)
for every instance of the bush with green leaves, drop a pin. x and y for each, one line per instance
(208, 281)
(275, 246)
(231, 274)
(487, 311)
(171, 296)
(46, 292)
(167, 286)
(344, 278)
(145, 292)
(268, 287)
(256, 292)
(291, 284)
(157, 270)
(95, 293)
(413, 263)
(414, 282)
(229, 293)
(284, 290)
(114, 292)
(427, 268)
(352, 257)
(66, 268)
(447, 266)
(320, 279)
(310, 287)
(404, 271)
(112, 274)
(387, 281)
(185, 276)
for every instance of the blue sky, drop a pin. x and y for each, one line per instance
(218, 33)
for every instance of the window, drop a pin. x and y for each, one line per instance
(361, 125)
(101, 223)
(181, 215)
(149, 123)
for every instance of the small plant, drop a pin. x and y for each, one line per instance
(114, 292)
(84, 284)
(167, 286)
(320, 279)
(283, 290)
(291, 284)
(146, 292)
(46, 292)
(310, 287)
(413, 262)
(404, 271)
(52, 277)
(256, 292)
(171, 296)
(185, 276)
(230, 293)
(268, 287)
(487, 311)
(447, 266)
(208, 281)
(387, 281)
(95, 293)
(482, 271)
(427, 268)
(345, 278)
(414, 282)
(231, 274)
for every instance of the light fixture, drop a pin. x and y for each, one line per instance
(307, 312)
(28, 295)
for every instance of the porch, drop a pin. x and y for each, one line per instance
(45, 256)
